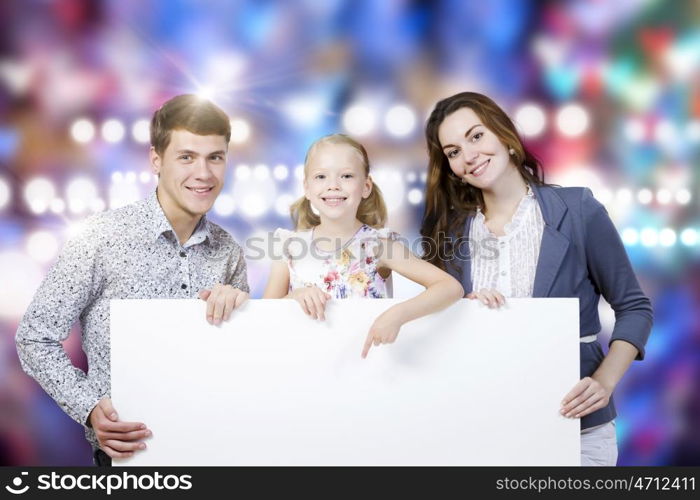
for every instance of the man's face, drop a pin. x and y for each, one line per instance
(191, 173)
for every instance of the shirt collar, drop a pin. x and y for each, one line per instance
(161, 224)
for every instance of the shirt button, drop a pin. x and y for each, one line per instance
(183, 286)
(503, 273)
(503, 243)
(183, 254)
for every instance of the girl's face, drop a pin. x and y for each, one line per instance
(335, 181)
(474, 153)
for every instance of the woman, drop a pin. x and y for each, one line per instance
(485, 187)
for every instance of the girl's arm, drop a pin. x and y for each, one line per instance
(278, 282)
(441, 291)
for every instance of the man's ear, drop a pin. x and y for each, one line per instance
(155, 160)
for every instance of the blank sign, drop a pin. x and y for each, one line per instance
(466, 386)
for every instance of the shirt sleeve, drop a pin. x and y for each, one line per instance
(613, 276)
(70, 286)
(239, 278)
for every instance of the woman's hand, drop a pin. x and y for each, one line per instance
(221, 301)
(587, 396)
(491, 298)
(384, 330)
(312, 300)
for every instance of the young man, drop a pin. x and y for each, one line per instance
(160, 247)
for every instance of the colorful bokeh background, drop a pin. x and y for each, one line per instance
(607, 93)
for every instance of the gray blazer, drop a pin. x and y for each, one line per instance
(582, 256)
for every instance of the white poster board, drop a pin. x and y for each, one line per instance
(467, 386)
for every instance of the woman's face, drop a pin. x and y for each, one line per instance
(474, 153)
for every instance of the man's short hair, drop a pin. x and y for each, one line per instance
(188, 112)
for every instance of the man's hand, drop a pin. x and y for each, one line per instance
(117, 439)
(221, 300)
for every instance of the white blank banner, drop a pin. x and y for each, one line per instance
(467, 386)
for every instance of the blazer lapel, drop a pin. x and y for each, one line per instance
(467, 263)
(554, 244)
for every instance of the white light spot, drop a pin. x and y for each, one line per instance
(283, 203)
(38, 194)
(140, 131)
(683, 196)
(644, 196)
(240, 131)
(530, 119)
(664, 132)
(146, 177)
(689, 237)
(359, 120)
(80, 194)
(113, 131)
(280, 172)
(692, 131)
(415, 196)
(630, 237)
(663, 196)
(224, 205)
(634, 130)
(243, 172)
(261, 172)
(82, 130)
(400, 120)
(42, 246)
(623, 196)
(5, 193)
(57, 206)
(299, 172)
(572, 120)
(667, 237)
(649, 237)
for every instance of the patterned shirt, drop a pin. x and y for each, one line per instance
(128, 253)
(510, 266)
(349, 272)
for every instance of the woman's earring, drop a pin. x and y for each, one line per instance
(511, 151)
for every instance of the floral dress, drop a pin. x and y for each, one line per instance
(349, 272)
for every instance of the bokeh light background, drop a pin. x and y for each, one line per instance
(605, 92)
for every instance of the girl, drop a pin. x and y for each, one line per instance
(344, 251)
(485, 186)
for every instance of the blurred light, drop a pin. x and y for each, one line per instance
(630, 237)
(299, 172)
(280, 172)
(663, 196)
(304, 110)
(122, 194)
(604, 195)
(692, 131)
(649, 237)
(530, 119)
(38, 194)
(80, 193)
(117, 177)
(392, 185)
(140, 131)
(572, 120)
(205, 93)
(146, 177)
(57, 206)
(283, 203)
(97, 205)
(664, 132)
(667, 237)
(5, 193)
(640, 92)
(254, 205)
(400, 121)
(423, 177)
(82, 130)
(634, 130)
(683, 196)
(623, 196)
(242, 172)
(25, 275)
(415, 196)
(689, 237)
(359, 120)
(681, 60)
(42, 246)
(411, 177)
(240, 131)
(224, 205)
(644, 196)
(112, 131)
(261, 172)
(130, 177)
(75, 228)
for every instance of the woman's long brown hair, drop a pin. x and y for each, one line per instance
(448, 201)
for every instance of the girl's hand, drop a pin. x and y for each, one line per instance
(491, 298)
(312, 300)
(384, 330)
(587, 396)
(221, 301)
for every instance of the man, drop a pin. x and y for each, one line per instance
(160, 247)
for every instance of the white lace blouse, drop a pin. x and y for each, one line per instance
(508, 263)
